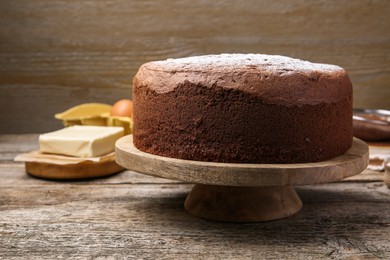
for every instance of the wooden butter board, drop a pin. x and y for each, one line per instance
(82, 170)
(242, 192)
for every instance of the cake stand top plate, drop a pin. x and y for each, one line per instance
(354, 161)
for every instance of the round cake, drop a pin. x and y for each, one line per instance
(242, 108)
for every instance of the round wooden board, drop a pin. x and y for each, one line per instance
(83, 170)
(354, 161)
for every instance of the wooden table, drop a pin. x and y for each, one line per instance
(130, 215)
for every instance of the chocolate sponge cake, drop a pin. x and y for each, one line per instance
(247, 108)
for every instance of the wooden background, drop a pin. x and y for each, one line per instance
(58, 53)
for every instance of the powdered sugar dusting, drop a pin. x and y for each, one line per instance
(273, 79)
(245, 61)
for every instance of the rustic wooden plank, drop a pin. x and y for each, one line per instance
(17, 144)
(11, 145)
(33, 111)
(148, 221)
(55, 54)
(15, 174)
(130, 215)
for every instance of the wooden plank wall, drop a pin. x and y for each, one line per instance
(58, 53)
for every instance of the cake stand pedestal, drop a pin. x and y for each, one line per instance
(241, 192)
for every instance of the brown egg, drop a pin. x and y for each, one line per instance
(123, 107)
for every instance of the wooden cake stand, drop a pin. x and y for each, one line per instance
(241, 192)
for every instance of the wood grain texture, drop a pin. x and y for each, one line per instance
(84, 170)
(45, 219)
(242, 192)
(130, 215)
(353, 162)
(55, 54)
(242, 204)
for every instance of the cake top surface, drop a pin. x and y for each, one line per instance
(274, 79)
(241, 62)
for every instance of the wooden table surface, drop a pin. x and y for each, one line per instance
(130, 215)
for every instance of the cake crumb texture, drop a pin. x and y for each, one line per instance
(212, 110)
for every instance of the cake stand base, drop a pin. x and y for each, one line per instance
(242, 204)
(242, 192)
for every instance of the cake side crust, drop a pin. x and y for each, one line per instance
(219, 124)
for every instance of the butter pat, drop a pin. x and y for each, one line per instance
(81, 141)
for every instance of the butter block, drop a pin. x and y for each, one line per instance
(81, 141)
